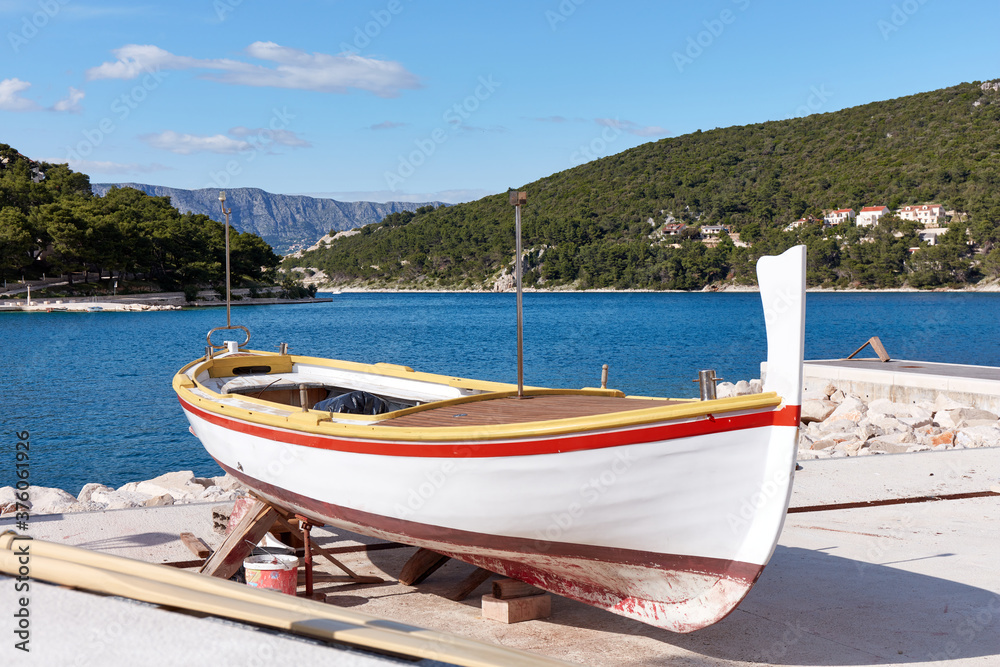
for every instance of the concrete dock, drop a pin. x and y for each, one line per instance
(905, 381)
(898, 578)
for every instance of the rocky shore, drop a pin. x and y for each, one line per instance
(173, 488)
(836, 424)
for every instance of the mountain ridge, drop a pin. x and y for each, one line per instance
(287, 222)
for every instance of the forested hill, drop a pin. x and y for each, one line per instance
(588, 226)
(286, 222)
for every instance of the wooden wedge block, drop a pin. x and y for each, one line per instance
(196, 545)
(519, 609)
(420, 566)
(508, 589)
(469, 584)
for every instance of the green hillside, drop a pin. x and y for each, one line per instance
(52, 224)
(588, 226)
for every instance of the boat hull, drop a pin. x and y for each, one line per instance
(669, 523)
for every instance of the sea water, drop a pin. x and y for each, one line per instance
(93, 389)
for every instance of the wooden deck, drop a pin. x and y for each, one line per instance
(519, 411)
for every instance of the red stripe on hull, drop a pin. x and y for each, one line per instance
(787, 416)
(526, 559)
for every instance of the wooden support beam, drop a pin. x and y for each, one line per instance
(196, 545)
(470, 583)
(420, 566)
(877, 347)
(240, 542)
(509, 589)
(518, 609)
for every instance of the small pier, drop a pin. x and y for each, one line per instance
(904, 381)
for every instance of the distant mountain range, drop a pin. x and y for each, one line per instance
(287, 222)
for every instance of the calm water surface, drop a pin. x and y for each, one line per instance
(93, 389)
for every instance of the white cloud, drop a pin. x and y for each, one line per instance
(633, 128)
(71, 103)
(186, 144)
(264, 135)
(10, 96)
(293, 68)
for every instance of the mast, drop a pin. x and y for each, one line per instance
(517, 199)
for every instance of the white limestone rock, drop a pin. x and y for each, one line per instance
(837, 396)
(756, 386)
(159, 501)
(180, 485)
(816, 410)
(742, 388)
(88, 490)
(725, 390)
(51, 501)
(978, 436)
(849, 447)
(228, 483)
(8, 500)
(887, 447)
(851, 408)
(886, 424)
(833, 426)
(120, 499)
(814, 394)
(915, 422)
(942, 402)
(216, 494)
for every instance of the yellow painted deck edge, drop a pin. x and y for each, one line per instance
(317, 423)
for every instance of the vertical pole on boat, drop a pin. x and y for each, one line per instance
(517, 199)
(226, 212)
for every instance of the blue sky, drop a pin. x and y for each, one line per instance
(419, 100)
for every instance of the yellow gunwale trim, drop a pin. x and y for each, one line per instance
(318, 423)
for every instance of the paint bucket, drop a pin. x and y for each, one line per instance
(274, 572)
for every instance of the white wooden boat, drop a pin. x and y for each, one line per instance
(661, 510)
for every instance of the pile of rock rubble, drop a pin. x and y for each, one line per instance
(173, 488)
(835, 424)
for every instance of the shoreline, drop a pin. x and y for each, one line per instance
(993, 288)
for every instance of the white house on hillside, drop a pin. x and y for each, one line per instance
(929, 215)
(931, 235)
(870, 214)
(840, 215)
